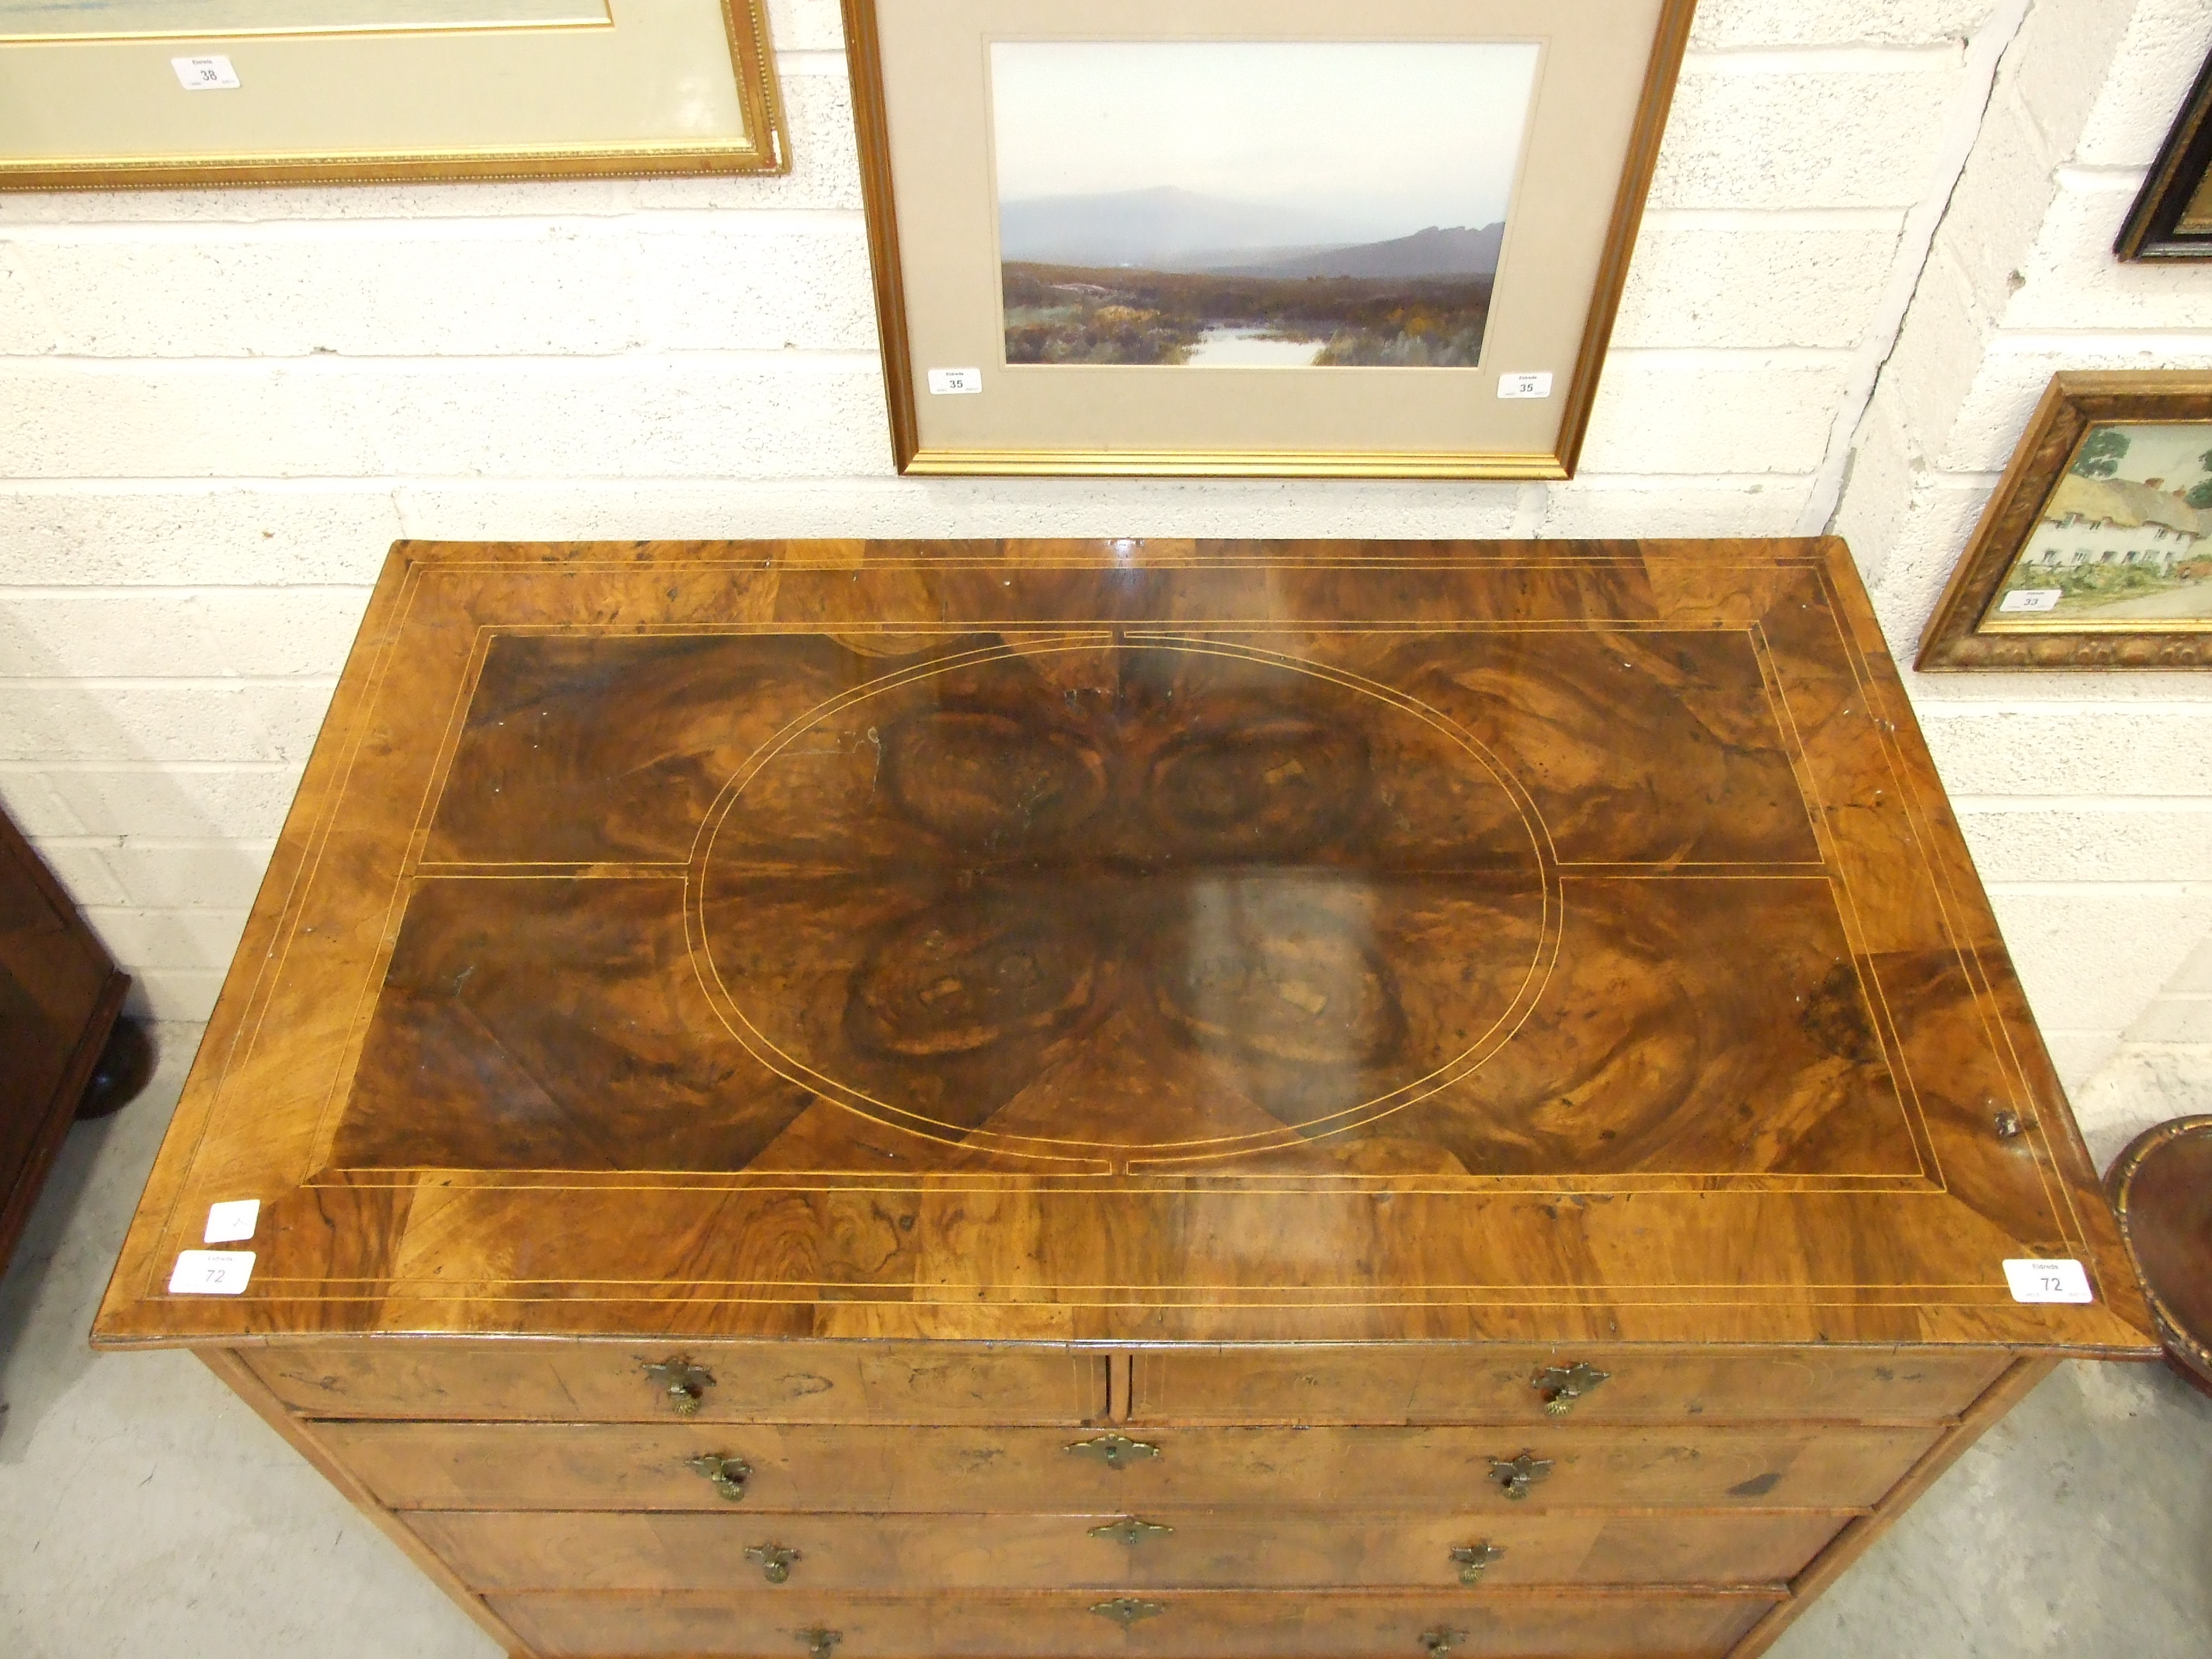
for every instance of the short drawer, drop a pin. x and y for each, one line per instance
(1461, 1384)
(1078, 1626)
(789, 1381)
(771, 1554)
(967, 1471)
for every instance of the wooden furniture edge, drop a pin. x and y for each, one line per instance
(2186, 1351)
(122, 1311)
(249, 1388)
(2121, 1286)
(16, 1204)
(1847, 1545)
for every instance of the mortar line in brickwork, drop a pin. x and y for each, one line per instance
(2091, 801)
(1871, 59)
(1964, 120)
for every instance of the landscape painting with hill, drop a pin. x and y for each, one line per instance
(1254, 204)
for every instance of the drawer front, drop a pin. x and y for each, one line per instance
(1446, 1384)
(1065, 1627)
(959, 1471)
(791, 1381)
(505, 1553)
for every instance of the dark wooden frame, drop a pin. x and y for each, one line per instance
(2071, 403)
(2152, 228)
(864, 53)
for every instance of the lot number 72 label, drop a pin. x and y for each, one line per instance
(210, 1273)
(2047, 1281)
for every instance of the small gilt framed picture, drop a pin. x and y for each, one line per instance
(2096, 550)
(1259, 237)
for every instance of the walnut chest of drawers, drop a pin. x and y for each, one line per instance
(872, 1101)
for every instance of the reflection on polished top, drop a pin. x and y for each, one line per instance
(1055, 940)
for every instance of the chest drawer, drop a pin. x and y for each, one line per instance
(509, 1552)
(961, 1471)
(1067, 1627)
(1424, 1384)
(793, 1381)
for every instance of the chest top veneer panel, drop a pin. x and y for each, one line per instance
(1126, 942)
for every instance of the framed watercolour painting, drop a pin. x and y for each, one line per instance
(1229, 237)
(131, 93)
(2172, 215)
(2096, 550)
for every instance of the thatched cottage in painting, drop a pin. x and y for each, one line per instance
(2117, 521)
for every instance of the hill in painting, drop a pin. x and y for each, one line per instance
(1458, 252)
(1160, 230)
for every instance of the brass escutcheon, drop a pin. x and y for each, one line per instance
(1115, 1451)
(729, 1474)
(819, 1642)
(1517, 1474)
(1131, 1531)
(686, 1384)
(1126, 1610)
(775, 1560)
(1440, 1640)
(1473, 1558)
(1562, 1385)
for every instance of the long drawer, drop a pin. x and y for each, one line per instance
(849, 1470)
(791, 1381)
(822, 1382)
(1202, 1626)
(772, 1555)
(1444, 1383)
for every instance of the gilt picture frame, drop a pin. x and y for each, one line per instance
(2096, 550)
(1229, 238)
(109, 95)
(2171, 217)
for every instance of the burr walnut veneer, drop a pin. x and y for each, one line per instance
(1084, 1099)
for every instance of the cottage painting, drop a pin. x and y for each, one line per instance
(1202, 204)
(2126, 537)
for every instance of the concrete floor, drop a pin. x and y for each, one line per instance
(144, 1511)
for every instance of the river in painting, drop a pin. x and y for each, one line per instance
(1173, 204)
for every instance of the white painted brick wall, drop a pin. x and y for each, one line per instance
(1784, 129)
(218, 408)
(2086, 799)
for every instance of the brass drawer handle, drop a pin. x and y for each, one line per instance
(685, 1383)
(1126, 1610)
(729, 1474)
(1131, 1531)
(1517, 1474)
(1440, 1640)
(774, 1561)
(819, 1642)
(1115, 1451)
(1473, 1559)
(1562, 1385)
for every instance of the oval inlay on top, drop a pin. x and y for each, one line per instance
(1166, 895)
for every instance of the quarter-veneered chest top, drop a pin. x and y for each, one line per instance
(1113, 941)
